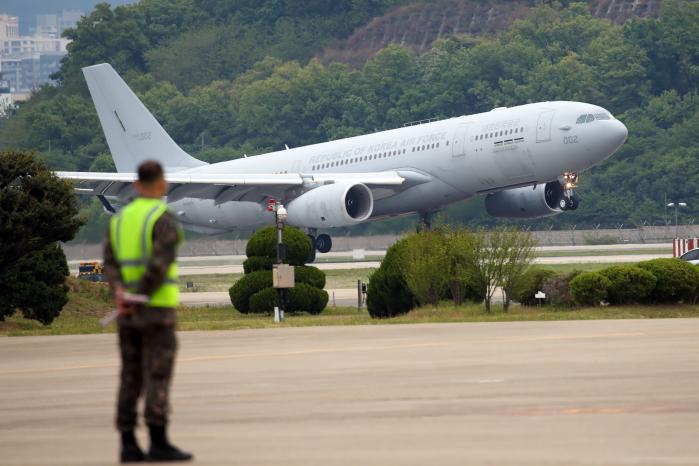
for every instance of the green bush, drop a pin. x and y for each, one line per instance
(589, 288)
(676, 280)
(263, 243)
(629, 284)
(531, 283)
(310, 276)
(557, 289)
(305, 298)
(247, 286)
(302, 298)
(35, 284)
(422, 263)
(255, 263)
(263, 301)
(387, 293)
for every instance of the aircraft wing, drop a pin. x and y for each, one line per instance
(223, 187)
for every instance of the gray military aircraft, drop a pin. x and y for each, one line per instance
(526, 159)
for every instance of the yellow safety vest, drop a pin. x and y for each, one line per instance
(131, 236)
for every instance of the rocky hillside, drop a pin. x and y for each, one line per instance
(418, 24)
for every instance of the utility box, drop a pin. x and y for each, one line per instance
(282, 276)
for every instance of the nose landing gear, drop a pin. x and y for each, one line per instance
(568, 181)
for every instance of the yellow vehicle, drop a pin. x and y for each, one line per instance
(91, 271)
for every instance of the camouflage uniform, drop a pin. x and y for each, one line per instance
(147, 337)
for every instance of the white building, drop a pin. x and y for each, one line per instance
(9, 26)
(6, 101)
(27, 62)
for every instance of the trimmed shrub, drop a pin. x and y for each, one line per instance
(676, 280)
(557, 289)
(589, 288)
(629, 284)
(255, 263)
(305, 298)
(247, 286)
(531, 283)
(302, 298)
(263, 243)
(310, 276)
(387, 293)
(263, 301)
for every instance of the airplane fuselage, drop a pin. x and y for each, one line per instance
(459, 157)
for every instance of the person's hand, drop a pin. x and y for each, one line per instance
(125, 308)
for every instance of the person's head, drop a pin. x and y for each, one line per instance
(151, 180)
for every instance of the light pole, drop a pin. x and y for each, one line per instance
(676, 205)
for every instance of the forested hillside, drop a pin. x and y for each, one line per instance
(232, 77)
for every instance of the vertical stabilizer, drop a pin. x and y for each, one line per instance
(133, 134)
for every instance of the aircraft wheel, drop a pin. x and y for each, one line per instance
(573, 203)
(312, 255)
(324, 243)
(563, 203)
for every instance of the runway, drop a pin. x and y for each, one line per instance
(188, 270)
(344, 260)
(618, 392)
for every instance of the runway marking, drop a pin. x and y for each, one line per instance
(652, 409)
(348, 349)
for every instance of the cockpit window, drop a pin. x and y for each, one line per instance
(602, 116)
(590, 118)
(581, 119)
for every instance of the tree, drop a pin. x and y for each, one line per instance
(482, 267)
(36, 207)
(36, 285)
(517, 251)
(422, 260)
(36, 210)
(499, 257)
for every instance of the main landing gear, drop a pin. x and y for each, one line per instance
(569, 201)
(424, 223)
(321, 243)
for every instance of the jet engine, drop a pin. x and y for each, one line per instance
(331, 205)
(542, 200)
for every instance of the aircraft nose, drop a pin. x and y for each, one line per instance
(615, 135)
(620, 133)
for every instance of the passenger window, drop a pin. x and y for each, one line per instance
(590, 118)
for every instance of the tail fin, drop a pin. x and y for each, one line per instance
(133, 134)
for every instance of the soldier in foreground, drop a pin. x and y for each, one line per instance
(139, 260)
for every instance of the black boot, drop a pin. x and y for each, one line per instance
(161, 449)
(130, 451)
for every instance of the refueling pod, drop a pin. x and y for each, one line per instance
(541, 200)
(331, 205)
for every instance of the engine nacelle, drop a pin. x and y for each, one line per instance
(542, 200)
(331, 205)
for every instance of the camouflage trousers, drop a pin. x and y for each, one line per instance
(148, 345)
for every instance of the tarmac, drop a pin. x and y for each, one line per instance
(615, 392)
